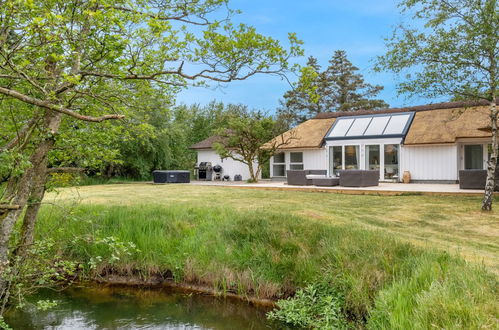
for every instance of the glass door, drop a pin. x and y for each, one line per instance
(473, 157)
(352, 157)
(391, 162)
(335, 160)
(372, 157)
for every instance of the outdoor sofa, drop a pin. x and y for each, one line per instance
(359, 178)
(299, 177)
(475, 179)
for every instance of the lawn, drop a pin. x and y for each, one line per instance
(354, 254)
(454, 224)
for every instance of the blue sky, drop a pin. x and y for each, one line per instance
(357, 26)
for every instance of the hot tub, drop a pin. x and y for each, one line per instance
(172, 176)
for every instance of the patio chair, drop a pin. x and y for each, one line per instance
(472, 179)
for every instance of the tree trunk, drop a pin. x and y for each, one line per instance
(31, 184)
(252, 171)
(30, 217)
(492, 164)
(258, 171)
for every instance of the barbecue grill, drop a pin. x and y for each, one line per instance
(205, 171)
(218, 170)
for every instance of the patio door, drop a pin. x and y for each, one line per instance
(335, 160)
(391, 162)
(473, 157)
(372, 157)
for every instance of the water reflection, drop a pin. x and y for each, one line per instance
(129, 308)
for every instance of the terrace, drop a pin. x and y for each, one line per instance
(384, 188)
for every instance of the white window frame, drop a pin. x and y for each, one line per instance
(399, 167)
(330, 154)
(279, 164)
(485, 149)
(291, 163)
(359, 162)
(362, 144)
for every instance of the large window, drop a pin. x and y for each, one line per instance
(279, 165)
(352, 157)
(473, 157)
(335, 160)
(391, 161)
(372, 157)
(296, 161)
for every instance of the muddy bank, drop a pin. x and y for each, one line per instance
(162, 281)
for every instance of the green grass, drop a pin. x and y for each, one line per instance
(99, 180)
(453, 224)
(268, 244)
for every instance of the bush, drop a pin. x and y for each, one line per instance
(317, 306)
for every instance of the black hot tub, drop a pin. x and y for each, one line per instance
(175, 176)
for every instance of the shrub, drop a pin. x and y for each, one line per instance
(316, 306)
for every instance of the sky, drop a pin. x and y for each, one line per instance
(357, 26)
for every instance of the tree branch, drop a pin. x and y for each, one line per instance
(181, 18)
(9, 207)
(21, 134)
(54, 107)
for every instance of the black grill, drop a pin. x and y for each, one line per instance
(205, 171)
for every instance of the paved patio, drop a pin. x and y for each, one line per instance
(384, 188)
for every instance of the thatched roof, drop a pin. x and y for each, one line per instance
(418, 108)
(207, 143)
(449, 124)
(438, 123)
(307, 135)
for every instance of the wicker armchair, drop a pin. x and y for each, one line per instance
(299, 177)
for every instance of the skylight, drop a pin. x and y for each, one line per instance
(371, 126)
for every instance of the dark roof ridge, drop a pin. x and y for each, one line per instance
(207, 143)
(427, 107)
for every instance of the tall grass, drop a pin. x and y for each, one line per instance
(385, 283)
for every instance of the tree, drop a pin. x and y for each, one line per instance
(339, 88)
(246, 136)
(67, 64)
(348, 91)
(452, 52)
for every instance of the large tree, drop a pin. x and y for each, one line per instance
(67, 65)
(452, 50)
(339, 88)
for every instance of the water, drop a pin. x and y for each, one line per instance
(131, 308)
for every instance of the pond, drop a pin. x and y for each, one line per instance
(131, 308)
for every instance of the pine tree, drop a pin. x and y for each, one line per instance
(339, 88)
(347, 90)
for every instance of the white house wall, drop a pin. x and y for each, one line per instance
(431, 162)
(230, 167)
(314, 159)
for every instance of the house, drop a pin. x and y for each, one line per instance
(432, 142)
(207, 154)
